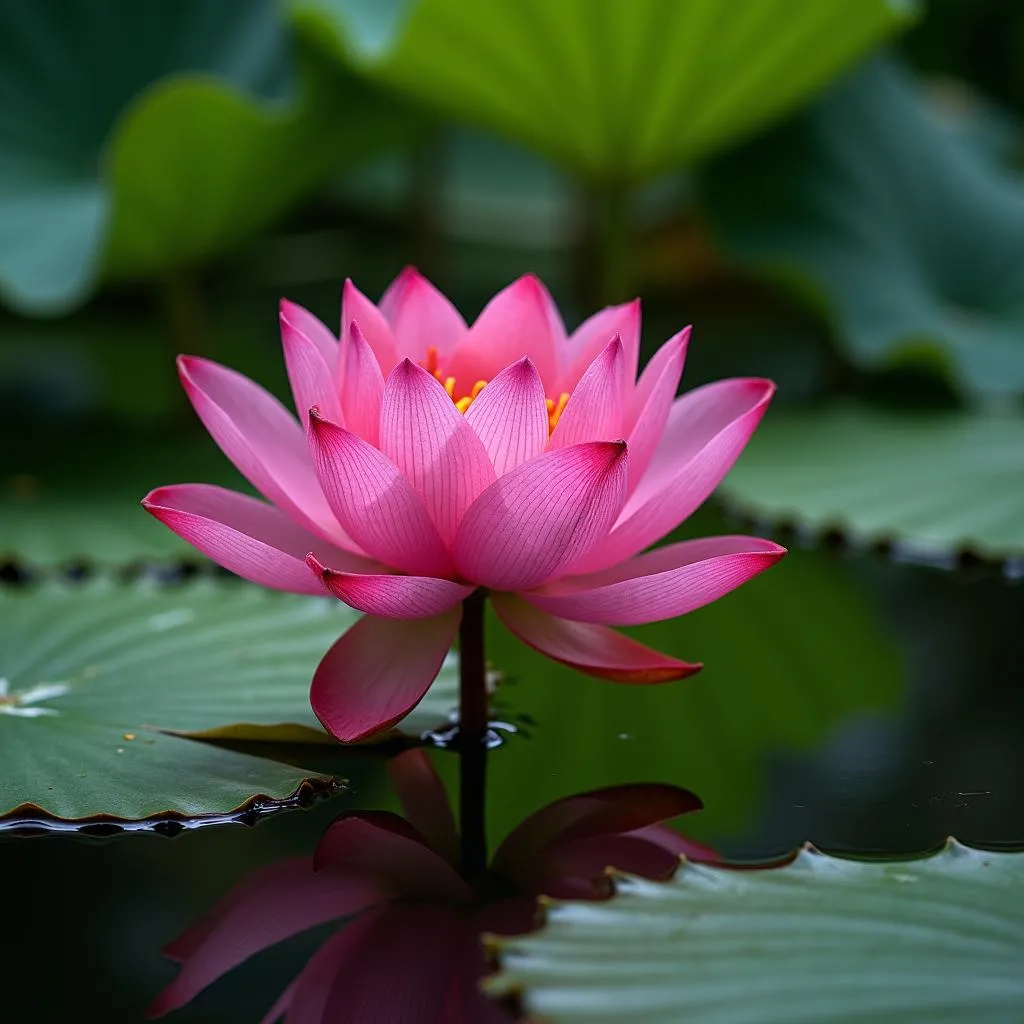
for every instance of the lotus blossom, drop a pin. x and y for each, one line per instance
(412, 951)
(431, 459)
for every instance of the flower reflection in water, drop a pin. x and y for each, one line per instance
(411, 950)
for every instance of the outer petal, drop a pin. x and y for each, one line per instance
(375, 502)
(356, 307)
(310, 364)
(271, 905)
(580, 870)
(425, 801)
(662, 584)
(679, 845)
(510, 416)
(312, 327)
(421, 317)
(386, 844)
(707, 429)
(264, 442)
(362, 385)
(542, 517)
(521, 320)
(611, 810)
(594, 650)
(391, 597)
(651, 404)
(429, 440)
(594, 333)
(378, 672)
(246, 536)
(595, 409)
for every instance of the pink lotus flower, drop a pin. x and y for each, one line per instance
(433, 459)
(413, 952)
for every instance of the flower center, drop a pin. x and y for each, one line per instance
(555, 406)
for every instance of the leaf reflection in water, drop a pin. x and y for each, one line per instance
(412, 950)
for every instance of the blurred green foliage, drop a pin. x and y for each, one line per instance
(139, 138)
(614, 92)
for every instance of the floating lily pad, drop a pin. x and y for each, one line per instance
(936, 483)
(771, 686)
(94, 675)
(136, 138)
(909, 238)
(612, 91)
(821, 941)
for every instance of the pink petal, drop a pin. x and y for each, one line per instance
(262, 439)
(425, 801)
(678, 845)
(391, 597)
(429, 440)
(661, 584)
(612, 810)
(375, 502)
(357, 308)
(378, 672)
(310, 374)
(521, 320)
(593, 335)
(403, 968)
(652, 402)
(271, 905)
(362, 385)
(707, 429)
(313, 328)
(543, 516)
(386, 844)
(570, 871)
(595, 411)
(594, 650)
(246, 536)
(421, 317)
(308, 993)
(510, 416)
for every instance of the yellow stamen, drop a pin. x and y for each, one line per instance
(555, 410)
(555, 407)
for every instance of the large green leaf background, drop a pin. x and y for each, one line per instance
(821, 941)
(135, 138)
(909, 238)
(613, 91)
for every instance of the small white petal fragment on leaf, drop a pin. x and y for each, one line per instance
(22, 703)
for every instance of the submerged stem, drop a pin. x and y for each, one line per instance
(473, 723)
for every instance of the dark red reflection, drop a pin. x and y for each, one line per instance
(411, 948)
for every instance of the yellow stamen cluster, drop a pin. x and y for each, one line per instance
(555, 408)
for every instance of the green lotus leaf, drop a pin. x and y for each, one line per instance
(820, 941)
(936, 483)
(612, 91)
(94, 677)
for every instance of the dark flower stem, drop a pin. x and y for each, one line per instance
(473, 724)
